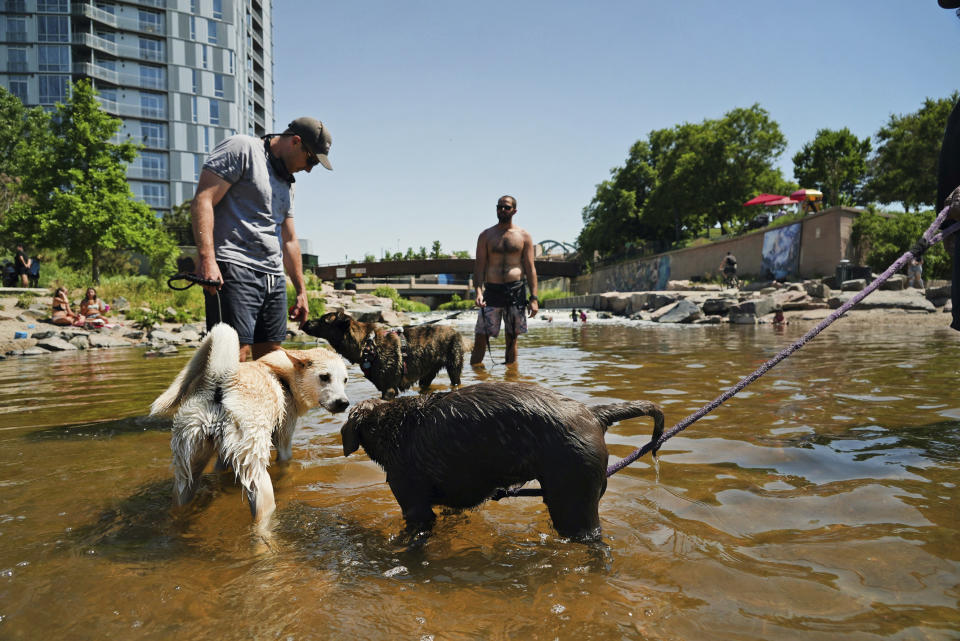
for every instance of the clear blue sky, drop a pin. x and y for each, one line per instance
(438, 108)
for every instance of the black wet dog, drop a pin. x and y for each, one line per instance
(457, 448)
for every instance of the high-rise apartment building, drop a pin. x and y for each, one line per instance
(181, 74)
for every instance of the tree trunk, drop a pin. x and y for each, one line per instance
(96, 265)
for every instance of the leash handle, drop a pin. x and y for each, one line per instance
(192, 279)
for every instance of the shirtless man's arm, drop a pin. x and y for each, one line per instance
(530, 271)
(480, 268)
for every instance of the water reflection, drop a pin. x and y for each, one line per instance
(820, 503)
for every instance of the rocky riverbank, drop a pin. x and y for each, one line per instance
(29, 332)
(686, 302)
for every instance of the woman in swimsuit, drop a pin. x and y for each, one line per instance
(92, 309)
(62, 314)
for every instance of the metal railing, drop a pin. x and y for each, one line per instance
(120, 22)
(149, 173)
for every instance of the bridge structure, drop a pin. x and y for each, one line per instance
(431, 278)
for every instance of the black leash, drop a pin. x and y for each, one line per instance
(193, 279)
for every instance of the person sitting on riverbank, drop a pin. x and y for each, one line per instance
(62, 314)
(92, 310)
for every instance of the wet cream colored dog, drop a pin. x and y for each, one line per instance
(220, 405)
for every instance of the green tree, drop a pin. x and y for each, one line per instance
(835, 162)
(88, 208)
(369, 258)
(881, 239)
(684, 180)
(435, 251)
(904, 168)
(177, 223)
(24, 135)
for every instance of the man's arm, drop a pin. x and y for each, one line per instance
(210, 190)
(480, 268)
(530, 271)
(293, 264)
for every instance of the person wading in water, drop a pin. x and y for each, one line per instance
(504, 258)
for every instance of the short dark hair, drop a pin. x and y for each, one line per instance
(510, 197)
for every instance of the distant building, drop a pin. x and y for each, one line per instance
(182, 74)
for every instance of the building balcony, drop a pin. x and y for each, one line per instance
(117, 78)
(149, 173)
(133, 52)
(134, 111)
(118, 22)
(13, 6)
(15, 36)
(16, 67)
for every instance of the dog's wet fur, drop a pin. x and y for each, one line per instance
(236, 410)
(457, 448)
(430, 348)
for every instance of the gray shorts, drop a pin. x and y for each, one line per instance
(253, 303)
(488, 321)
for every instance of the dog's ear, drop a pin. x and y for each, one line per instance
(350, 435)
(298, 362)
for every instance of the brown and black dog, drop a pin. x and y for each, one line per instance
(394, 359)
(458, 448)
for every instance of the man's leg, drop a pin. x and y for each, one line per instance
(510, 348)
(258, 349)
(479, 349)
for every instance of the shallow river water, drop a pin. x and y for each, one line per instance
(821, 503)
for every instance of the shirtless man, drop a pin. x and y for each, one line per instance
(504, 257)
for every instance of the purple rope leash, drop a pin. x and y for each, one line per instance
(929, 238)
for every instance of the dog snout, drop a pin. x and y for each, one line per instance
(337, 405)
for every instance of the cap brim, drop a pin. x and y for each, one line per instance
(949, 4)
(325, 161)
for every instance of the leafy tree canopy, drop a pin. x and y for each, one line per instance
(683, 180)
(835, 162)
(904, 168)
(85, 205)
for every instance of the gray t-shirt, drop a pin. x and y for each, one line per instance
(246, 221)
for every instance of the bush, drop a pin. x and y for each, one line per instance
(880, 240)
(456, 303)
(402, 304)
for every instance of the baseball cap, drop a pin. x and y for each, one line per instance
(949, 4)
(315, 136)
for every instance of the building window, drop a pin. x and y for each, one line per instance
(151, 105)
(109, 8)
(193, 28)
(231, 63)
(193, 6)
(214, 112)
(197, 166)
(18, 87)
(154, 194)
(193, 108)
(218, 9)
(151, 49)
(152, 164)
(154, 134)
(195, 76)
(53, 58)
(206, 139)
(52, 6)
(16, 59)
(203, 56)
(53, 89)
(211, 32)
(150, 21)
(151, 77)
(218, 85)
(52, 29)
(16, 29)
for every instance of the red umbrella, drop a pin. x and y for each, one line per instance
(786, 200)
(807, 194)
(762, 199)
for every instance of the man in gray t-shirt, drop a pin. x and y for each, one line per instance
(242, 218)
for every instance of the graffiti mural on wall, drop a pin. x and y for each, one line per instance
(642, 276)
(781, 251)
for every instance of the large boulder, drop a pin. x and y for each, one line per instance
(658, 300)
(717, 306)
(56, 344)
(683, 311)
(908, 300)
(895, 283)
(853, 285)
(104, 341)
(756, 306)
(816, 289)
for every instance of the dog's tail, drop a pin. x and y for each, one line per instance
(214, 362)
(610, 414)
